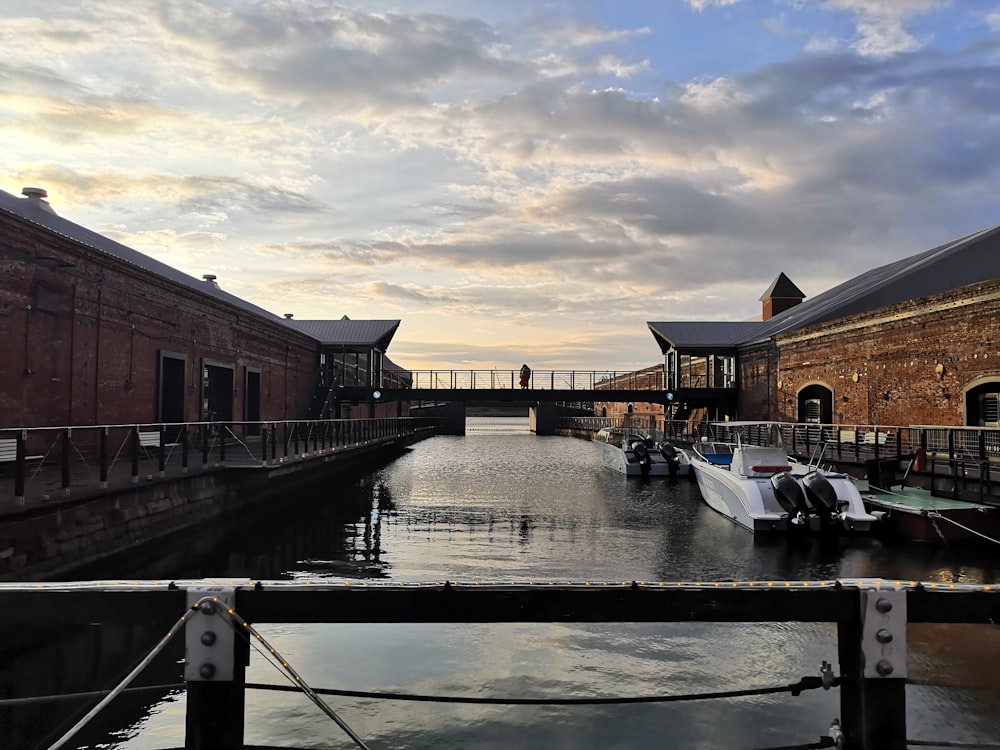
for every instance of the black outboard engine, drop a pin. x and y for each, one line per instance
(823, 497)
(641, 453)
(669, 452)
(789, 494)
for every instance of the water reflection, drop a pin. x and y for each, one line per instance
(499, 505)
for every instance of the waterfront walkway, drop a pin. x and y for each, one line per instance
(67, 466)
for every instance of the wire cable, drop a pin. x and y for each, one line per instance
(58, 697)
(806, 683)
(121, 685)
(233, 618)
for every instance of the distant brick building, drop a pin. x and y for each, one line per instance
(98, 333)
(914, 342)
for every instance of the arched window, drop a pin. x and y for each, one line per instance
(981, 405)
(815, 404)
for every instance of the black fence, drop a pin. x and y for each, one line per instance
(41, 464)
(871, 616)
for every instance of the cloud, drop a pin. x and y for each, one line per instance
(700, 5)
(511, 176)
(881, 23)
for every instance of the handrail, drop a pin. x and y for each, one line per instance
(871, 617)
(54, 461)
(545, 380)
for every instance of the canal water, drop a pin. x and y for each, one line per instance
(501, 504)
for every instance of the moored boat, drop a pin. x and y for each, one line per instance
(634, 453)
(763, 489)
(917, 514)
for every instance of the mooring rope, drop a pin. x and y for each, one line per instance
(961, 526)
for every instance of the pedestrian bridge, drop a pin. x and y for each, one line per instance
(546, 389)
(553, 386)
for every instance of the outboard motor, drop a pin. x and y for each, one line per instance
(823, 497)
(669, 452)
(641, 453)
(789, 494)
(671, 455)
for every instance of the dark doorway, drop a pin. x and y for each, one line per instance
(216, 392)
(815, 405)
(251, 400)
(982, 405)
(170, 388)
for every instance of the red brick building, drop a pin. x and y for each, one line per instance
(916, 341)
(95, 332)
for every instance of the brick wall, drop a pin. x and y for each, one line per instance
(882, 366)
(649, 378)
(82, 333)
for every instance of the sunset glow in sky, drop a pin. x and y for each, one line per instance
(515, 181)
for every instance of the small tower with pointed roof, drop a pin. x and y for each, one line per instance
(781, 295)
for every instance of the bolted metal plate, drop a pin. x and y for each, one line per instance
(208, 636)
(883, 633)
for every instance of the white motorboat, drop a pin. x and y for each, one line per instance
(637, 454)
(763, 489)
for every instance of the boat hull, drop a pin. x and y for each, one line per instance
(749, 498)
(725, 494)
(617, 459)
(635, 454)
(914, 514)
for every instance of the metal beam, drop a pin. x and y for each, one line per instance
(699, 396)
(544, 601)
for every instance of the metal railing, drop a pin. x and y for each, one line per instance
(870, 641)
(51, 462)
(570, 380)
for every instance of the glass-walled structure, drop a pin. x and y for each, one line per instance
(338, 366)
(699, 370)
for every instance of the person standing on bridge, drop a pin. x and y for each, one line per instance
(525, 375)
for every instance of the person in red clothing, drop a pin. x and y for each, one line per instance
(525, 375)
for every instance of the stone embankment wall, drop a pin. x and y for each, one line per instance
(49, 544)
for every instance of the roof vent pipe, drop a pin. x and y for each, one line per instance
(37, 196)
(209, 278)
(288, 316)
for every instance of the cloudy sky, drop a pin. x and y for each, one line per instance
(515, 181)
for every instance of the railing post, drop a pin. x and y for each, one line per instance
(66, 454)
(135, 454)
(161, 453)
(102, 458)
(872, 651)
(20, 465)
(215, 672)
(204, 445)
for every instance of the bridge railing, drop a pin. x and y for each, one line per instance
(567, 380)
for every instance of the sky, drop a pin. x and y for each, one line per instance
(514, 181)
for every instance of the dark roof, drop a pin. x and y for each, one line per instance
(967, 260)
(359, 334)
(782, 288)
(700, 335)
(41, 215)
